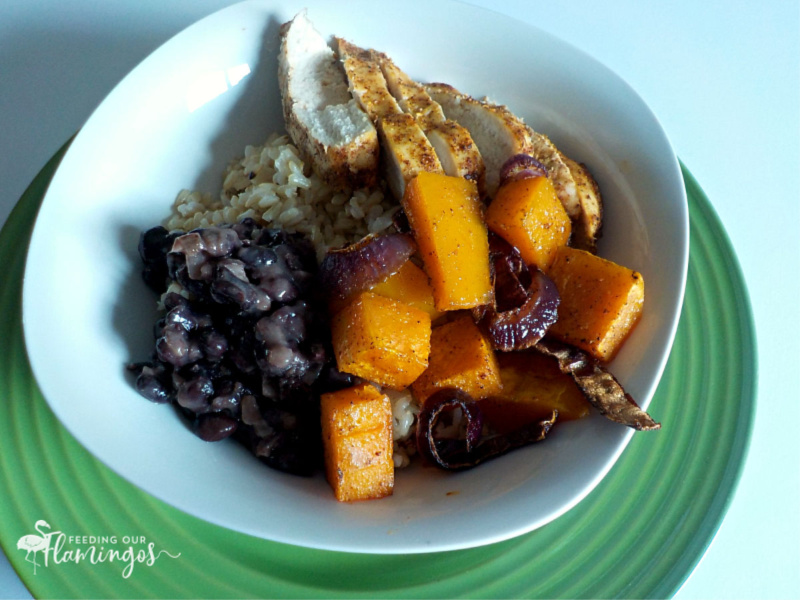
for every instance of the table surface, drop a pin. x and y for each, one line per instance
(724, 80)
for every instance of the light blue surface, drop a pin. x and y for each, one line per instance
(723, 77)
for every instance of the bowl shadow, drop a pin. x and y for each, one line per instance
(260, 96)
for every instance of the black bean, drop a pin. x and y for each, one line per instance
(228, 397)
(213, 344)
(153, 247)
(152, 383)
(172, 300)
(245, 229)
(175, 347)
(195, 395)
(182, 316)
(219, 241)
(257, 257)
(214, 427)
(279, 289)
(229, 289)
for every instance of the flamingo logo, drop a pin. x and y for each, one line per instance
(34, 543)
(59, 548)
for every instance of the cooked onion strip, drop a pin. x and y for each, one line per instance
(472, 450)
(599, 386)
(525, 301)
(355, 268)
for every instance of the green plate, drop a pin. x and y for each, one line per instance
(639, 534)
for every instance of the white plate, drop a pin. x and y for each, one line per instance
(193, 105)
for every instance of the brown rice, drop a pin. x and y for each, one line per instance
(271, 184)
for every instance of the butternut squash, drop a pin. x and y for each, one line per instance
(446, 217)
(381, 340)
(357, 443)
(528, 215)
(533, 386)
(601, 302)
(409, 285)
(461, 357)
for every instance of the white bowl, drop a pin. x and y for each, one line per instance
(177, 119)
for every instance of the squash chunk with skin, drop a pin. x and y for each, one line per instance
(528, 215)
(381, 340)
(357, 439)
(461, 357)
(601, 302)
(446, 217)
(409, 285)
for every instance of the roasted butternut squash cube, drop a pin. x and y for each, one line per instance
(601, 301)
(381, 340)
(409, 285)
(533, 386)
(528, 215)
(445, 214)
(357, 442)
(461, 357)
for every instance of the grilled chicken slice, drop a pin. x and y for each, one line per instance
(406, 150)
(546, 153)
(498, 133)
(411, 95)
(588, 227)
(325, 123)
(457, 152)
(367, 84)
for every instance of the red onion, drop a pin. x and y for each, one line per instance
(355, 268)
(525, 301)
(521, 327)
(472, 450)
(598, 385)
(521, 166)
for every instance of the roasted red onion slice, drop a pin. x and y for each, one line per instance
(600, 387)
(522, 327)
(511, 276)
(472, 450)
(355, 268)
(521, 166)
(525, 301)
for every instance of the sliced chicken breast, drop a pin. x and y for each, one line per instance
(587, 230)
(325, 123)
(410, 95)
(367, 84)
(457, 152)
(497, 132)
(406, 150)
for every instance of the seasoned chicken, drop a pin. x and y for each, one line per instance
(588, 228)
(367, 84)
(328, 127)
(411, 95)
(543, 150)
(498, 133)
(457, 152)
(406, 150)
